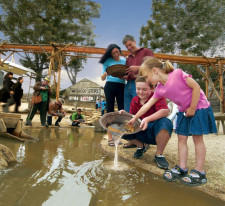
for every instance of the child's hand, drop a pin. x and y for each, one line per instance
(131, 122)
(190, 112)
(144, 124)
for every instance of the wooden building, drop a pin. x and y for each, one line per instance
(85, 93)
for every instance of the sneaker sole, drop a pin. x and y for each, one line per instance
(138, 157)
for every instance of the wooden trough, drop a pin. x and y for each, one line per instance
(11, 126)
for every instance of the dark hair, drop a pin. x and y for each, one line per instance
(108, 53)
(19, 78)
(79, 110)
(7, 75)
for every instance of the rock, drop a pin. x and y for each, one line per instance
(98, 127)
(6, 157)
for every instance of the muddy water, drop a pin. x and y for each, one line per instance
(67, 168)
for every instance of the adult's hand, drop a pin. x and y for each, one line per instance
(133, 69)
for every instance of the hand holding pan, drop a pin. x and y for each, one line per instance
(117, 122)
(117, 70)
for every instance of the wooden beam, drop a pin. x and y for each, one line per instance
(1, 62)
(210, 82)
(95, 50)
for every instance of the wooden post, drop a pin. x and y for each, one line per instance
(221, 86)
(207, 82)
(29, 87)
(52, 63)
(59, 74)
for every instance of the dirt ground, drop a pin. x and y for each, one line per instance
(214, 165)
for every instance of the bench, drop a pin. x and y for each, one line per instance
(220, 118)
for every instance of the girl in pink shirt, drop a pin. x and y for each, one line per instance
(195, 116)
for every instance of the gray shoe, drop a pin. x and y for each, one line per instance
(28, 123)
(5, 108)
(140, 151)
(161, 162)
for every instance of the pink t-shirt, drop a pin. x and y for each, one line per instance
(177, 90)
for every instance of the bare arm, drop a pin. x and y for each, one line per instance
(195, 96)
(157, 115)
(143, 110)
(103, 77)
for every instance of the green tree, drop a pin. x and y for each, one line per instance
(193, 27)
(185, 27)
(74, 67)
(42, 22)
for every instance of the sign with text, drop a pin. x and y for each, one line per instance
(91, 91)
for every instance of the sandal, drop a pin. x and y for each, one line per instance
(194, 178)
(175, 173)
(111, 142)
(129, 145)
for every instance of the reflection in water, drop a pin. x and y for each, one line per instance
(66, 167)
(20, 153)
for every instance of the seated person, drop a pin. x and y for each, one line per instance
(77, 118)
(159, 127)
(56, 109)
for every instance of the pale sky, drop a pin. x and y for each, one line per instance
(117, 18)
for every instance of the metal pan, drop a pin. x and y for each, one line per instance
(118, 122)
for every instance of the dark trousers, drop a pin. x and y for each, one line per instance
(114, 91)
(49, 120)
(75, 123)
(42, 107)
(9, 102)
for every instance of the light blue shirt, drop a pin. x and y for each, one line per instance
(109, 62)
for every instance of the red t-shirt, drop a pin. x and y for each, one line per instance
(137, 60)
(135, 106)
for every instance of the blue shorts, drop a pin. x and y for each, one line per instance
(149, 135)
(203, 122)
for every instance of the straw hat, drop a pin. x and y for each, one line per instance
(61, 101)
(47, 79)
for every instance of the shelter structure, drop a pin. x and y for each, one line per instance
(61, 54)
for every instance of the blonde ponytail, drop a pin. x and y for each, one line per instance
(168, 67)
(150, 62)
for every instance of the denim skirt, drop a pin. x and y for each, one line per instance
(203, 122)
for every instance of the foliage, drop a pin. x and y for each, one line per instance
(185, 27)
(42, 22)
(193, 27)
(62, 93)
(73, 68)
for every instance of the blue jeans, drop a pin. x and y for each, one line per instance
(149, 135)
(129, 93)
